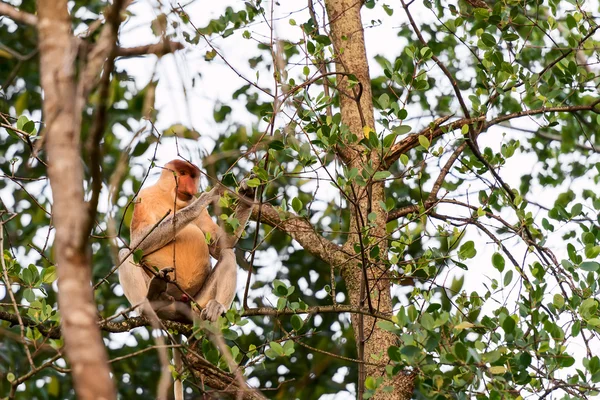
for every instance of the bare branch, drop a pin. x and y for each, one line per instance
(159, 49)
(17, 15)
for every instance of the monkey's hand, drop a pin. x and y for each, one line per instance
(212, 311)
(157, 289)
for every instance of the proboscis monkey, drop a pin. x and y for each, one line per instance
(182, 243)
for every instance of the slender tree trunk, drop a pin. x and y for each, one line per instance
(357, 112)
(83, 342)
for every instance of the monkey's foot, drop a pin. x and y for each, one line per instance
(157, 289)
(164, 274)
(212, 311)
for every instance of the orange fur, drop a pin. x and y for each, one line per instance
(189, 253)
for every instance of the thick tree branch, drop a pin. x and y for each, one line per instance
(84, 346)
(366, 283)
(221, 381)
(52, 331)
(333, 309)
(304, 233)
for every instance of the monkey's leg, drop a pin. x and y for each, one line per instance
(162, 303)
(218, 291)
(133, 279)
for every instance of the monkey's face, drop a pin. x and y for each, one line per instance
(187, 186)
(187, 177)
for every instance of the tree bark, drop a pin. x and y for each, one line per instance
(357, 113)
(84, 346)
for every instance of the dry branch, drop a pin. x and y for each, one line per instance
(17, 15)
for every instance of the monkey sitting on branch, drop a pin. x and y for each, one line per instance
(176, 234)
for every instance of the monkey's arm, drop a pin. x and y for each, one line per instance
(218, 291)
(149, 239)
(219, 238)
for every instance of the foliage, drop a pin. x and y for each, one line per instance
(494, 266)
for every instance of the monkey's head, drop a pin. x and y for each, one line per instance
(182, 178)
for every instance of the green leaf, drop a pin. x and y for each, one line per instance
(370, 383)
(279, 288)
(49, 274)
(181, 131)
(509, 324)
(488, 40)
(508, 277)
(288, 348)
(297, 204)
(412, 313)
(352, 173)
(29, 127)
(426, 53)
(498, 261)
(272, 354)
(460, 351)
(394, 353)
(138, 255)
(281, 303)
(210, 55)
(382, 175)
(229, 334)
(384, 101)
(387, 326)
(594, 322)
(29, 295)
(558, 301)
(276, 145)
(427, 321)
(254, 182)
(21, 122)
(401, 129)
(467, 250)
(591, 266)
(497, 370)
(423, 141)
(277, 348)
(297, 322)
(464, 325)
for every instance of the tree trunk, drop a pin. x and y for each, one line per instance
(84, 346)
(372, 342)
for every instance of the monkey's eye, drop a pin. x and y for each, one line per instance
(182, 173)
